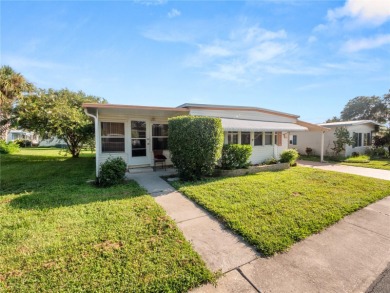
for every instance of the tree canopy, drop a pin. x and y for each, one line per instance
(365, 108)
(12, 87)
(57, 113)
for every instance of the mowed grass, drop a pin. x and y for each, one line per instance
(273, 210)
(61, 234)
(383, 164)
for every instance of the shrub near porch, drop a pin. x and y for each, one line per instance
(273, 210)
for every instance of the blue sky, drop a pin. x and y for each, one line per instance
(302, 57)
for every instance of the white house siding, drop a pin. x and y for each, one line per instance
(261, 153)
(236, 114)
(312, 139)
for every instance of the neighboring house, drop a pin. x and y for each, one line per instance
(15, 134)
(134, 132)
(52, 142)
(361, 130)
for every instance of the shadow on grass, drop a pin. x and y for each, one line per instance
(65, 196)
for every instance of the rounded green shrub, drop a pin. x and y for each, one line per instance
(8, 148)
(289, 156)
(111, 172)
(235, 156)
(195, 144)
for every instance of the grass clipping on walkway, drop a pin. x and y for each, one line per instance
(273, 210)
(60, 234)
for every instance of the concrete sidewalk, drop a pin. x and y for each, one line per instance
(347, 257)
(367, 172)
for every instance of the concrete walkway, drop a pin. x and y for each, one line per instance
(219, 248)
(347, 257)
(367, 172)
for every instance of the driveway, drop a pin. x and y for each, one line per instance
(367, 172)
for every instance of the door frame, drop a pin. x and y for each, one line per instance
(142, 160)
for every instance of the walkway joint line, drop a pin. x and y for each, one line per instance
(192, 219)
(387, 237)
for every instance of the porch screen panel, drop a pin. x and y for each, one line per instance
(258, 138)
(113, 137)
(245, 138)
(138, 138)
(268, 138)
(232, 137)
(160, 136)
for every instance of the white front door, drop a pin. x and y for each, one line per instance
(139, 154)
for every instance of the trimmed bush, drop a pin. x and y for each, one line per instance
(235, 156)
(195, 144)
(289, 156)
(8, 148)
(112, 172)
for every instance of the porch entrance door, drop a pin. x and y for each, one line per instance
(139, 143)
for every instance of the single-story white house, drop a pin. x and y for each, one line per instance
(16, 134)
(135, 132)
(361, 130)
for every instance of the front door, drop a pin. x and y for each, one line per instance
(139, 143)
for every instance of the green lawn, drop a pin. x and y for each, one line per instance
(59, 233)
(273, 210)
(383, 164)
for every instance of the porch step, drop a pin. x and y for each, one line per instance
(140, 170)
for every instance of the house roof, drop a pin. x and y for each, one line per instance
(349, 123)
(252, 125)
(241, 108)
(115, 106)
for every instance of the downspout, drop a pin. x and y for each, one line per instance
(322, 146)
(97, 147)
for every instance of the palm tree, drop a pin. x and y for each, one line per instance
(12, 87)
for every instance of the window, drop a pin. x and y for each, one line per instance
(369, 140)
(294, 140)
(258, 138)
(113, 137)
(138, 138)
(245, 138)
(355, 139)
(268, 138)
(232, 137)
(160, 136)
(278, 138)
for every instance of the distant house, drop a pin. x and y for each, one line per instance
(135, 133)
(16, 134)
(361, 130)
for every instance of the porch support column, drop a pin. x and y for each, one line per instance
(322, 146)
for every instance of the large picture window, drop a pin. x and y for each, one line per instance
(160, 136)
(113, 137)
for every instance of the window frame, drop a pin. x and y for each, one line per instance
(231, 134)
(160, 136)
(268, 134)
(121, 136)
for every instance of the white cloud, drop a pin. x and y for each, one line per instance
(214, 51)
(312, 39)
(150, 2)
(356, 45)
(173, 13)
(367, 11)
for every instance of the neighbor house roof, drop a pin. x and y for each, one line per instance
(252, 125)
(349, 123)
(240, 108)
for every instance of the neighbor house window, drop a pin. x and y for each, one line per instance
(232, 137)
(245, 138)
(268, 138)
(160, 136)
(367, 139)
(113, 137)
(258, 138)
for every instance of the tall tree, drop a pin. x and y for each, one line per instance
(365, 108)
(12, 87)
(333, 119)
(58, 113)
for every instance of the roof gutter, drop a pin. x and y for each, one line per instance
(97, 145)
